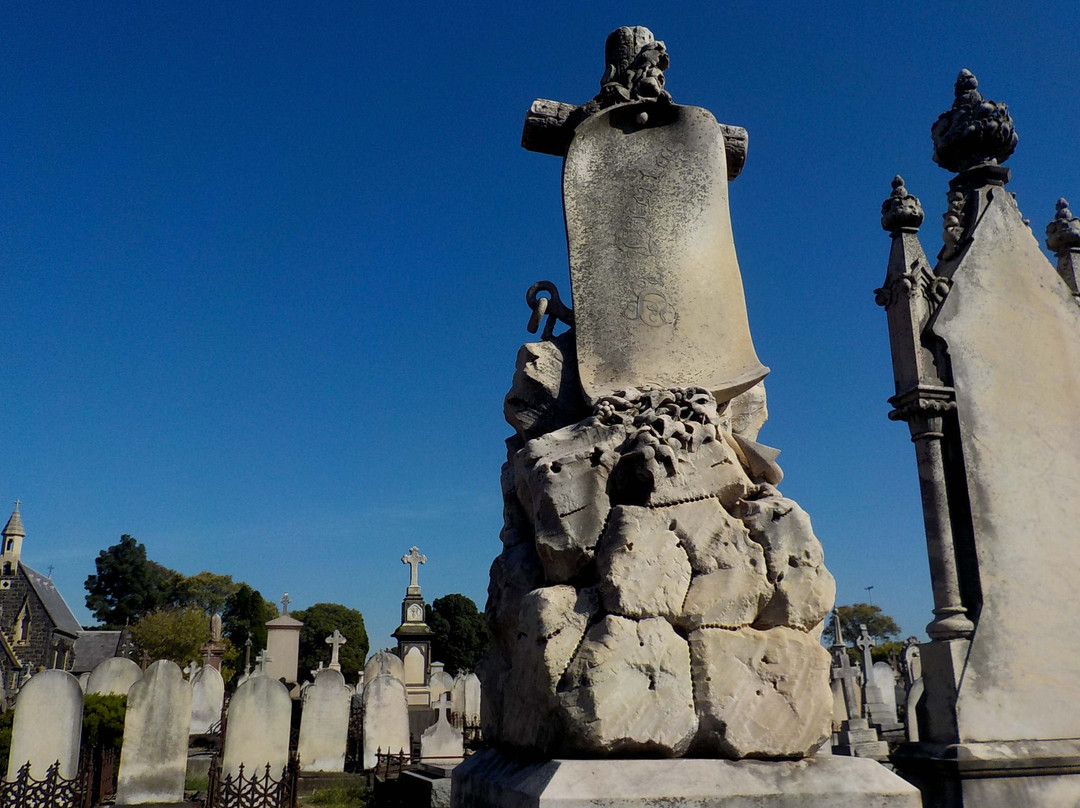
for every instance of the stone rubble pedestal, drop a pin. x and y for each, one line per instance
(491, 779)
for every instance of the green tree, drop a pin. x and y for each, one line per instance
(175, 633)
(881, 628)
(128, 585)
(320, 621)
(207, 590)
(244, 615)
(461, 634)
(103, 720)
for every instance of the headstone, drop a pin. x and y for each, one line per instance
(473, 693)
(885, 679)
(47, 726)
(258, 731)
(656, 596)
(113, 677)
(439, 681)
(442, 744)
(153, 760)
(386, 718)
(190, 670)
(876, 707)
(208, 696)
(457, 700)
(384, 662)
(324, 723)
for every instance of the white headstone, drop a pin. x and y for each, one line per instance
(335, 641)
(442, 744)
(113, 677)
(457, 700)
(83, 679)
(324, 723)
(153, 760)
(208, 694)
(384, 662)
(386, 718)
(885, 679)
(439, 681)
(471, 709)
(48, 725)
(414, 666)
(259, 715)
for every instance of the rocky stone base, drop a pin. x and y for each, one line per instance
(491, 779)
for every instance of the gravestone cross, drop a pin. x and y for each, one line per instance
(414, 559)
(261, 661)
(865, 643)
(335, 641)
(844, 671)
(657, 291)
(285, 601)
(443, 706)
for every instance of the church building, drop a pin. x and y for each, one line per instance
(37, 629)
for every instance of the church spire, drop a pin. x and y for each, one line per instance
(13, 535)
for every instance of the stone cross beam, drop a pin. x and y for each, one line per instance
(443, 706)
(865, 643)
(414, 559)
(848, 677)
(335, 641)
(262, 659)
(285, 601)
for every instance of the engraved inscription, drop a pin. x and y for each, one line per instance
(650, 305)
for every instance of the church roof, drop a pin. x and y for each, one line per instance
(93, 647)
(14, 525)
(51, 599)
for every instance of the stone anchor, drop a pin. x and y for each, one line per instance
(656, 285)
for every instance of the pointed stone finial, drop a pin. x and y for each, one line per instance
(1063, 233)
(974, 131)
(901, 211)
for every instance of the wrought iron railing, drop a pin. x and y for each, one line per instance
(52, 791)
(259, 790)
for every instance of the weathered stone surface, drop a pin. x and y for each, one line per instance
(153, 760)
(545, 394)
(730, 598)
(517, 527)
(804, 589)
(490, 779)
(386, 718)
(113, 677)
(384, 662)
(207, 698)
(760, 693)
(53, 699)
(628, 691)
(711, 537)
(324, 723)
(562, 483)
(259, 714)
(748, 412)
(643, 570)
(550, 628)
(712, 470)
(514, 572)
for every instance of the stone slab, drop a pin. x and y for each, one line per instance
(490, 779)
(1013, 331)
(658, 296)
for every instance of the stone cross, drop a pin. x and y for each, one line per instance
(414, 559)
(215, 628)
(443, 706)
(865, 643)
(262, 659)
(247, 657)
(335, 641)
(285, 601)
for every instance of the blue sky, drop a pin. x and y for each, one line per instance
(264, 265)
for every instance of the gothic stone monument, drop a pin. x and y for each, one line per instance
(986, 360)
(657, 597)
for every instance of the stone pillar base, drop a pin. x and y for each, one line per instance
(997, 774)
(490, 779)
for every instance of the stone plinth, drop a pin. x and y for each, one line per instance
(490, 779)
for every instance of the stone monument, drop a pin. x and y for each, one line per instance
(283, 645)
(986, 362)
(657, 596)
(414, 635)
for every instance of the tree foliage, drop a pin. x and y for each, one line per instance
(244, 615)
(174, 633)
(127, 585)
(320, 621)
(880, 626)
(103, 720)
(208, 591)
(461, 634)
